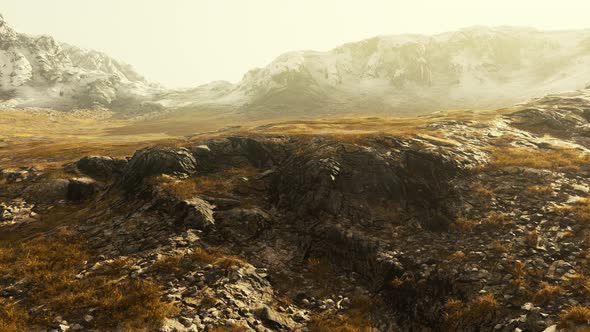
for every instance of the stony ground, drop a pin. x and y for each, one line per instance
(462, 225)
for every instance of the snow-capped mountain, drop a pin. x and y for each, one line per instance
(472, 68)
(395, 75)
(408, 74)
(40, 71)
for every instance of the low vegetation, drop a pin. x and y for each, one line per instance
(554, 160)
(217, 184)
(547, 293)
(580, 210)
(356, 318)
(180, 264)
(50, 266)
(13, 317)
(575, 316)
(459, 315)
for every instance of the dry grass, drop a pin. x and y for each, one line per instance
(500, 247)
(221, 183)
(181, 264)
(457, 256)
(467, 225)
(459, 316)
(463, 225)
(50, 265)
(228, 329)
(495, 220)
(579, 209)
(554, 160)
(356, 318)
(575, 315)
(583, 282)
(52, 153)
(547, 293)
(13, 318)
(518, 270)
(482, 192)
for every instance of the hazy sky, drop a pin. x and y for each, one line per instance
(189, 42)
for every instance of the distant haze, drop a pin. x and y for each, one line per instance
(183, 43)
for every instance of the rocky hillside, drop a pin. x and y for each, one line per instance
(459, 222)
(40, 71)
(411, 74)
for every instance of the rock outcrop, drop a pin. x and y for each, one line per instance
(152, 162)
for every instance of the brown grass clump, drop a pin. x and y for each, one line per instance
(547, 293)
(554, 160)
(582, 282)
(463, 225)
(458, 316)
(13, 318)
(457, 256)
(180, 264)
(518, 271)
(494, 220)
(579, 209)
(482, 192)
(500, 247)
(216, 184)
(575, 315)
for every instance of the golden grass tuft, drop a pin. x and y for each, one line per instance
(580, 210)
(180, 264)
(482, 192)
(494, 220)
(13, 318)
(463, 225)
(547, 293)
(222, 183)
(554, 160)
(500, 247)
(458, 315)
(356, 318)
(457, 256)
(575, 315)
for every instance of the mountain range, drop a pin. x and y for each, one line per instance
(479, 67)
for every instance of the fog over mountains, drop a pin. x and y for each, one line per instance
(389, 75)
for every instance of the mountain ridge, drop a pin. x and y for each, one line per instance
(396, 75)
